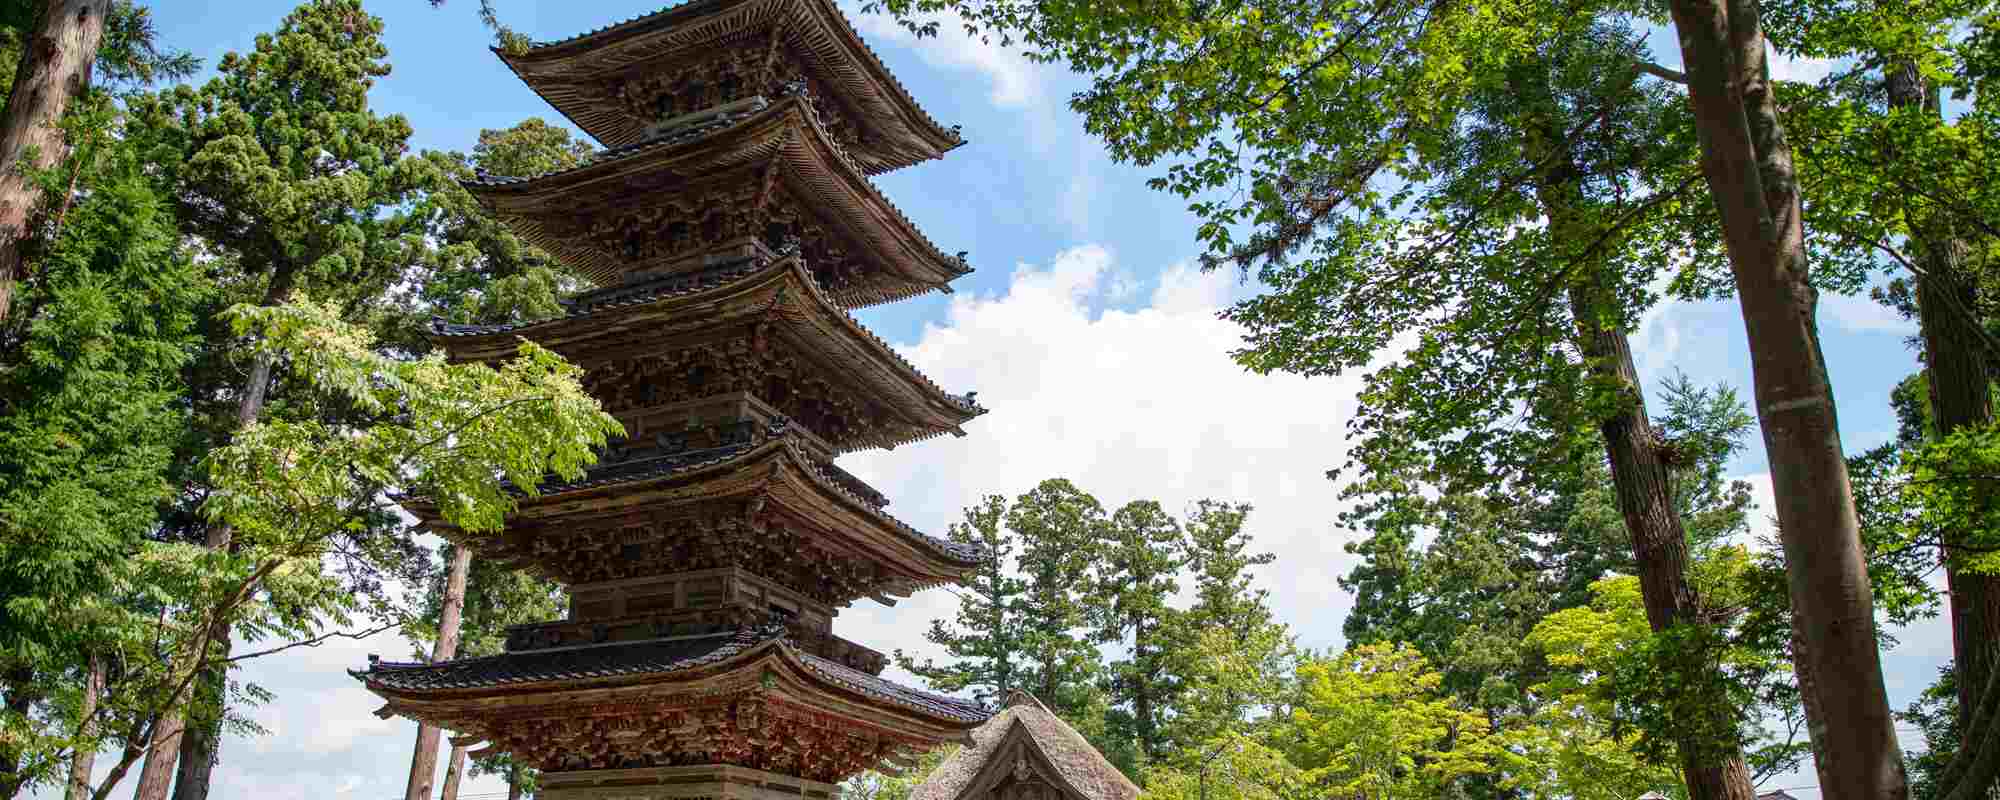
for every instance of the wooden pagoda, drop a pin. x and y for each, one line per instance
(729, 227)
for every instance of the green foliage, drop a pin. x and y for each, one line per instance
(90, 408)
(872, 785)
(1059, 526)
(1370, 723)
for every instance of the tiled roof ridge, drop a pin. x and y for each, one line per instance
(377, 665)
(880, 688)
(874, 59)
(854, 323)
(620, 296)
(969, 554)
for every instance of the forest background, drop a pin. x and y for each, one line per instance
(1086, 275)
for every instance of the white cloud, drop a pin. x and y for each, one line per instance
(1012, 75)
(1128, 405)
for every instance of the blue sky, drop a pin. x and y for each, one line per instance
(1084, 330)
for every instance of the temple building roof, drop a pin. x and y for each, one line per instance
(756, 172)
(739, 322)
(1026, 743)
(742, 696)
(618, 81)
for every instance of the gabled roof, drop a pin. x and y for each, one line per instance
(1026, 739)
(569, 73)
(783, 138)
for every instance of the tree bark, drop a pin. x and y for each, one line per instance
(200, 744)
(55, 68)
(1641, 477)
(423, 763)
(1809, 702)
(85, 757)
(453, 773)
(1748, 168)
(1644, 487)
(1956, 366)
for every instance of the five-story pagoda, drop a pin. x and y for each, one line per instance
(728, 228)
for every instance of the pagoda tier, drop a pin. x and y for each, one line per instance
(711, 189)
(738, 495)
(756, 338)
(745, 698)
(622, 83)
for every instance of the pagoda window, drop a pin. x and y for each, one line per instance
(692, 97)
(677, 236)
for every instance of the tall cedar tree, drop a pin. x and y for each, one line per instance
(1059, 526)
(1754, 185)
(985, 638)
(282, 168)
(1911, 182)
(93, 407)
(1137, 572)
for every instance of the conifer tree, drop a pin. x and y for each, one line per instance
(1138, 562)
(985, 641)
(1059, 526)
(279, 165)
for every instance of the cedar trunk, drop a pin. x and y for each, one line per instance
(1640, 475)
(200, 744)
(423, 763)
(55, 68)
(1659, 540)
(158, 773)
(453, 774)
(1956, 366)
(85, 757)
(1748, 168)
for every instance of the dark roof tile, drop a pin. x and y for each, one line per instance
(656, 656)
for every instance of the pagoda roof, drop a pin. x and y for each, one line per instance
(655, 661)
(777, 469)
(640, 317)
(779, 141)
(571, 73)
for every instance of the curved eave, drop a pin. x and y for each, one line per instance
(748, 660)
(914, 262)
(941, 561)
(809, 307)
(555, 70)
